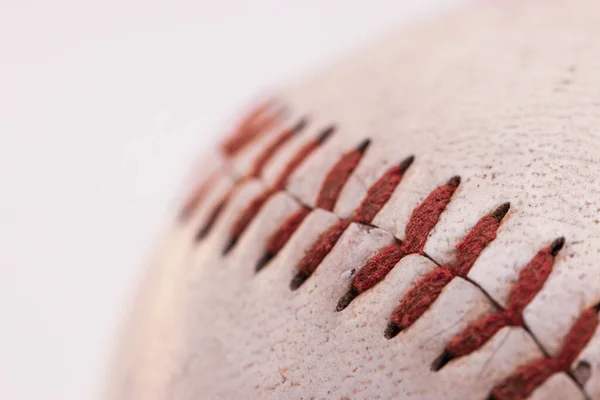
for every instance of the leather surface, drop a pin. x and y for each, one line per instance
(507, 96)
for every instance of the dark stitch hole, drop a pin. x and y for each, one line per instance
(298, 280)
(454, 181)
(582, 372)
(300, 125)
(230, 245)
(406, 163)
(211, 221)
(326, 134)
(557, 245)
(266, 258)
(392, 330)
(500, 212)
(597, 308)
(346, 299)
(363, 146)
(441, 361)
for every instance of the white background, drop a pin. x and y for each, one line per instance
(103, 107)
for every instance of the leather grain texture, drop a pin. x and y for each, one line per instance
(504, 95)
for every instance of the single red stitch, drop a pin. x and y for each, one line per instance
(525, 380)
(215, 214)
(530, 376)
(378, 267)
(421, 222)
(578, 337)
(420, 297)
(281, 236)
(427, 214)
(247, 215)
(531, 279)
(196, 197)
(380, 192)
(477, 239)
(337, 177)
(476, 335)
(250, 128)
(319, 250)
(269, 152)
(299, 157)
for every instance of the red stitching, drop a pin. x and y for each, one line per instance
(280, 237)
(381, 190)
(338, 175)
(254, 125)
(249, 212)
(299, 157)
(257, 169)
(477, 239)
(422, 220)
(420, 297)
(268, 153)
(247, 215)
(317, 252)
(528, 377)
(531, 279)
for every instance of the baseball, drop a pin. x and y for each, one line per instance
(419, 220)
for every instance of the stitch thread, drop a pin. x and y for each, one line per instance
(420, 297)
(423, 218)
(300, 156)
(528, 377)
(255, 205)
(531, 279)
(196, 197)
(382, 190)
(338, 175)
(280, 237)
(268, 153)
(318, 252)
(250, 128)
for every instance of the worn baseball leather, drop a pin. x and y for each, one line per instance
(504, 95)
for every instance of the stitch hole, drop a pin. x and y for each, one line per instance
(363, 146)
(326, 134)
(298, 280)
(230, 245)
(266, 258)
(557, 245)
(500, 212)
(441, 361)
(299, 127)
(582, 372)
(346, 299)
(392, 331)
